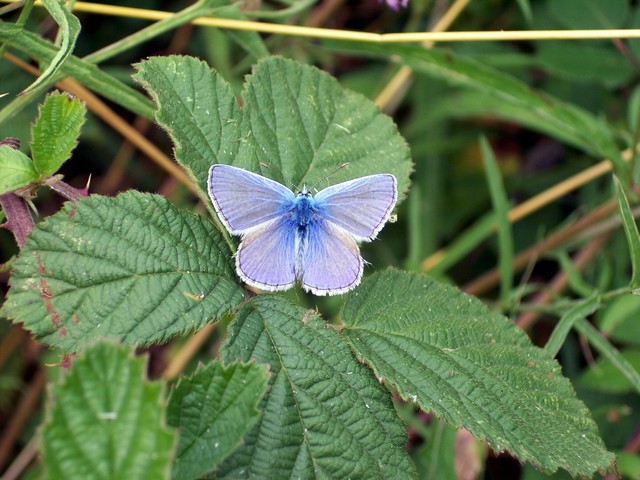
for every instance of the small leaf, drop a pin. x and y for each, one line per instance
(631, 232)
(55, 133)
(16, 169)
(106, 421)
(132, 267)
(297, 125)
(69, 30)
(213, 409)
(449, 354)
(325, 415)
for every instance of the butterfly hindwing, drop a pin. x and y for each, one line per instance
(244, 200)
(265, 257)
(361, 206)
(331, 260)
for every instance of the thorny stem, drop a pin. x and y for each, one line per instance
(19, 219)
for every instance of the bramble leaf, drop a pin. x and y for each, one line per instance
(55, 133)
(106, 421)
(213, 409)
(325, 415)
(134, 268)
(16, 169)
(450, 354)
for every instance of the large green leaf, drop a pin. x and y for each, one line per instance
(55, 133)
(16, 169)
(451, 355)
(132, 267)
(297, 124)
(301, 126)
(105, 421)
(507, 97)
(213, 409)
(325, 415)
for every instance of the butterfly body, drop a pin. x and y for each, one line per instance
(288, 238)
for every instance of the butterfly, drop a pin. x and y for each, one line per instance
(311, 239)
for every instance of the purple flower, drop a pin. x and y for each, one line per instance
(395, 4)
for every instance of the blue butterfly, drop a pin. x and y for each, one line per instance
(288, 237)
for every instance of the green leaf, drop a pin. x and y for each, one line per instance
(16, 169)
(325, 415)
(68, 32)
(55, 133)
(132, 267)
(501, 207)
(451, 355)
(588, 14)
(105, 421)
(506, 97)
(213, 410)
(631, 232)
(301, 127)
(297, 124)
(605, 376)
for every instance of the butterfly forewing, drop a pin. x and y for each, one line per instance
(244, 200)
(331, 260)
(265, 257)
(361, 206)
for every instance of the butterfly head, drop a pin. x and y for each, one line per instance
(304, 191)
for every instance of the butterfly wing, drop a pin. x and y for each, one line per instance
(244, 200)
(331, 260)
(361, 206)
(265, 258)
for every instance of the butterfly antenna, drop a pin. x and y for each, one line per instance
(292, 186)
(327, 177)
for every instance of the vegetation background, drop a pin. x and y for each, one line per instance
(489, 155)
